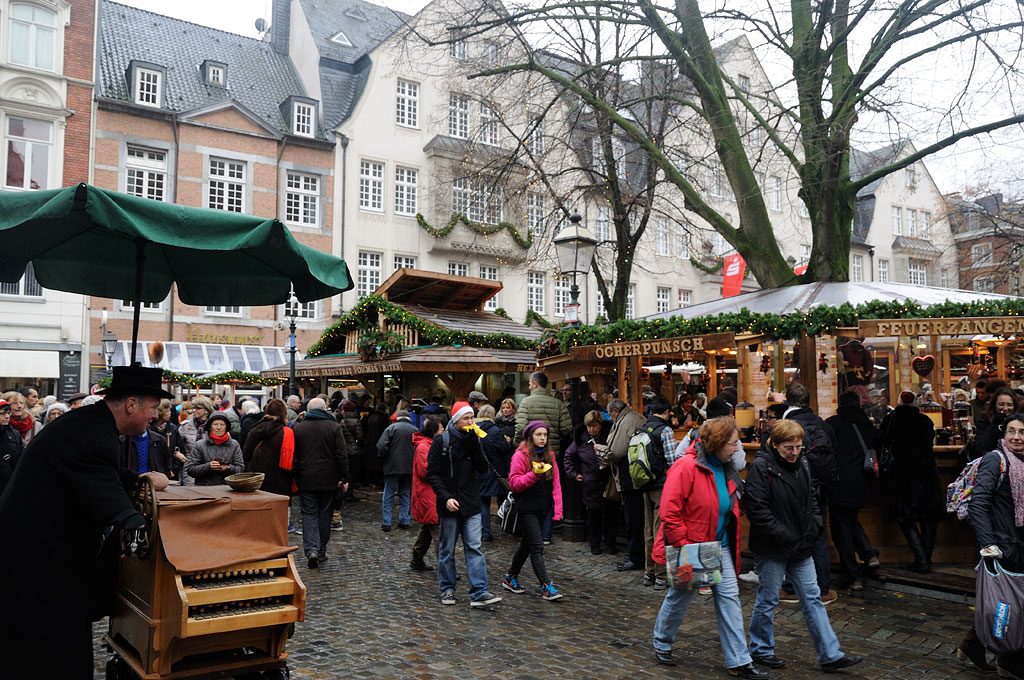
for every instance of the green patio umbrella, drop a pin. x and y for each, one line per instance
(93, 241)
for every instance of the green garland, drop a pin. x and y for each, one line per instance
(817, 321)
(485, 229)
(534, 317)
(333, 339)
(708, 269)
(207, 380)
(500, 311)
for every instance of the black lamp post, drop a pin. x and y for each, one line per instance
(108, 341)
(574, 246)
(291, 310)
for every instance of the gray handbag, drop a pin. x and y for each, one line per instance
(999, 598)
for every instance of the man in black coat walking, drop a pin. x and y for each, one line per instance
(69, 486)
(320, 467)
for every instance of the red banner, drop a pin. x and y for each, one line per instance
(732, 277)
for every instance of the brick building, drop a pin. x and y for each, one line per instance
(46, 116)
(200, 117)
(989, 235)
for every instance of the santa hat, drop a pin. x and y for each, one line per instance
(459, 409)
(907, 397)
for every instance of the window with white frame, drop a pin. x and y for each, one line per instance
(715, 181)
(858, 268)
(774, 193)
(535, 135)
(475, 200)
(984, 284)
(148, 86)
(562, 293)
(490, 53)
(33, 37)
(371, 186)
(924, 224)
(630, 308)
(661, 246)
(369, 275)
(603, 224)
(805, 254)
(28, 156)
(600, 304)
(405, 262)
(489, 273)
(917, 272)
(684, 297)
(406, 192)
(215, 74)
(458, 116)
(302, 118)
(756, 136)
(801, 208)
(299, 310)
(146, 306)
(302, 199)
(488, 124)
(458, 269)
(535, 213)
(743, 82)
(457, 48)
(228, 310)
(599, 163)
(897, 220)
(911, 229)
(944, 278)
(26, 286)
(682, 243)
(883, 271)
(145, 173)
(226, 186)
(981, 253)
(661, 299)
(407, 104)
(535, 291)
(909, 176)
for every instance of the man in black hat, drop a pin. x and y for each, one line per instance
(69, 486)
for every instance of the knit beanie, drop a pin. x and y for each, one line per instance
(459, 409)
(531, 427)
(907, 397)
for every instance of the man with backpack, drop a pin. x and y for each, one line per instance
(819, 448)
(626, 423)
(647, 469)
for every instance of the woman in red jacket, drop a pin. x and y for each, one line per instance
(700, 504)
(424, 500)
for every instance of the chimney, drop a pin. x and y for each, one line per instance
(280, 26)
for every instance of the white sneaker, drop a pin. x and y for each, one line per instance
(749, 577)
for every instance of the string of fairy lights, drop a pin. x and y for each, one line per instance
(225, 378)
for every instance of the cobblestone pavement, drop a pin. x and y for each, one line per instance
(369, 616)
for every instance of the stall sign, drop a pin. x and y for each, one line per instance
(894, 328)
(667, 346)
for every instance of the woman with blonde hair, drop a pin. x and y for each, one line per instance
(498, 452)
(193, 430)
(505, 418)
(22, 420)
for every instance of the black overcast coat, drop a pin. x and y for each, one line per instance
(69, 485)
(781, 506)
(991, 513)
(453, 473)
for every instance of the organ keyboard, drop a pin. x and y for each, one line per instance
(170, 609)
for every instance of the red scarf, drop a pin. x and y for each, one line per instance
(220, 438)
(23, 426)
(288, 452)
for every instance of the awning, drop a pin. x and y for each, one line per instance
(15, 363)
(431, 359)
(203, 357)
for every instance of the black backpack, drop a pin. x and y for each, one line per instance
(819, 452)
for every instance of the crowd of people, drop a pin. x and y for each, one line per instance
(448, 468)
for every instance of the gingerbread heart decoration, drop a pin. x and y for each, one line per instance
(923, 365)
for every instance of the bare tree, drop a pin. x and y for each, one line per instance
(989, 229)
(847, 64)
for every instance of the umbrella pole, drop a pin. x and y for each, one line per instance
(140, 261)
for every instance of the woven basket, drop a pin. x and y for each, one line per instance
(245, 481)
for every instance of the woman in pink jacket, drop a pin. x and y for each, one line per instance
(533, 476)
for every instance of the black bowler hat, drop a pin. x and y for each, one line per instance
(136, 381)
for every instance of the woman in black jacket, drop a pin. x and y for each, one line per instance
(784, 524)
(912, 482)
(498, 452)
(264, 446)
(1002, 404)
(852, 487)
(997, 516)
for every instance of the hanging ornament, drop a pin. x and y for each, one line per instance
(667, 373)
(823, 362)
(766, 364)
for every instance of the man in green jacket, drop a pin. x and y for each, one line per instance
(540, 405)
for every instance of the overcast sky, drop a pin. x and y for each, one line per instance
(992, 161)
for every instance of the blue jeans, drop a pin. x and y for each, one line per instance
(805, 582)
(453, 526)
(485, 516)
(728, 611)
(403, 484)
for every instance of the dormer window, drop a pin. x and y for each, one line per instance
(215, 73)
(303, 118)
(148, 87)
(341, 39)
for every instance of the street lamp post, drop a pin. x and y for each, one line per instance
(291, 310)
(574, 246)
(108, 341)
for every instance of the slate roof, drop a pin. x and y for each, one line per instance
(258, 79)
(916, 244)
(460, 359)
(863, 162)
(472, 321)
(344, 70)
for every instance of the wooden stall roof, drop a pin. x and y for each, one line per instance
(445, 358)
(432, 289)
(471, 321)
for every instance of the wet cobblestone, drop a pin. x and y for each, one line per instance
(369, 616)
